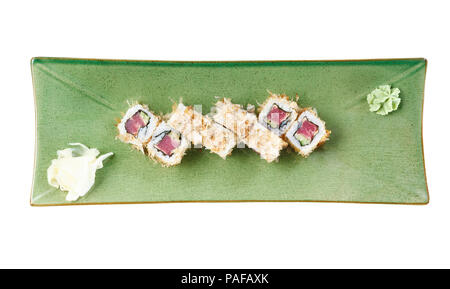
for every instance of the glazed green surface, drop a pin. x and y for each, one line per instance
(369, 158)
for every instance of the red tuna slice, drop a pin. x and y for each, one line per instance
(134, 123)
(167, 145)
(277, 115)
(308, 129)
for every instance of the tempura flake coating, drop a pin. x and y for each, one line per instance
(202, 130)
(245, 125)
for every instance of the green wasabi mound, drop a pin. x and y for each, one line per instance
(383, 99)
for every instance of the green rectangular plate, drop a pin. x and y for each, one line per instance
(369, 158)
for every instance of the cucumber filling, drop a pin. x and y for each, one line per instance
(302, 139)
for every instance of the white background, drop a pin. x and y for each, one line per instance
(243, 235)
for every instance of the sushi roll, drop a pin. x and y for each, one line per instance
(234, 117)
(137, 126)
(265, 142)
(217, 138)
(278, 113)
(307, 133)
(202, 130)
(167, 146)
(187, 122)
(248, 130)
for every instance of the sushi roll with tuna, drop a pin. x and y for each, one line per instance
(202, 130)
(167, 146)
(137, 126)
(278, 113)
(248, 130)
(307, 132)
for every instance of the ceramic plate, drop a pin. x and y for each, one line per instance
(369, 158)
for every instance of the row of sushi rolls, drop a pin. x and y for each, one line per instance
(277, 123)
